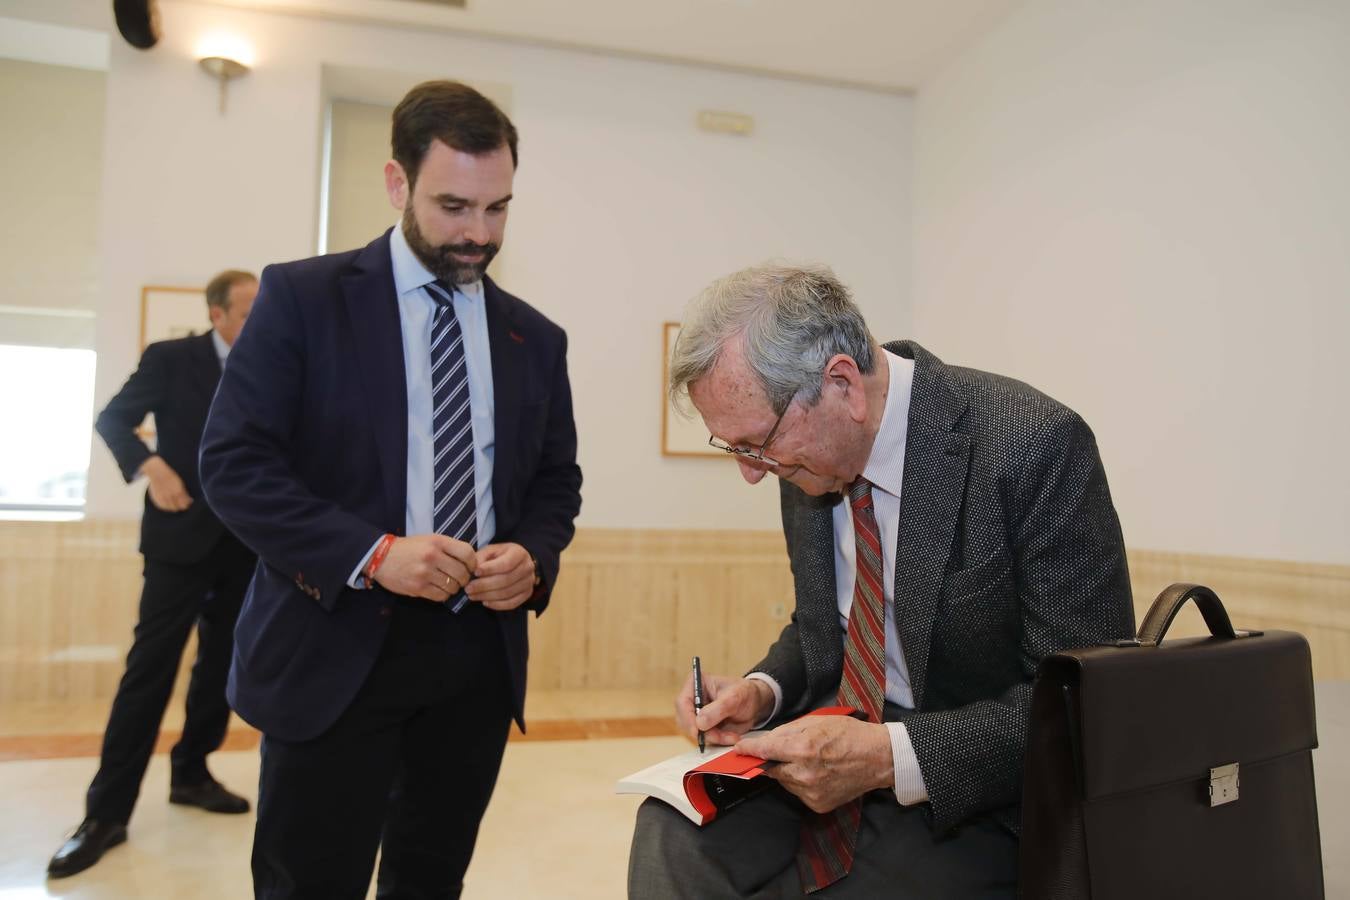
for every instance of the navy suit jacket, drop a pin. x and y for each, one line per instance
(305, 458)
(175, 381)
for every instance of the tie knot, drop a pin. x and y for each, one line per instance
(442, 293)
(860, 492)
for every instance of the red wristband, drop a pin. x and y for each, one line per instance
(377, 558)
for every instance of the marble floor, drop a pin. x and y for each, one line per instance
(554, 829)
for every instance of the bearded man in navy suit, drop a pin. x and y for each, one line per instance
(394, 437)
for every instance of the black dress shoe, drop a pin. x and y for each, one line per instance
(86, 847)
(210, 796)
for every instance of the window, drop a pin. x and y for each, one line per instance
(52, 147)
(47, 407)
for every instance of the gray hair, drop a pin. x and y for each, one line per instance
(792, 320)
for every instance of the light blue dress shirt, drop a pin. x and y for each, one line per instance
(416, 310)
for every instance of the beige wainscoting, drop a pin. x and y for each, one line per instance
(630, 609)
(68, 598)
(1310, 598)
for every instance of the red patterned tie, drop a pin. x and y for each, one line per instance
(825, 853)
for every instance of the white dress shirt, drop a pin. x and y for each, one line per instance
(885, 470)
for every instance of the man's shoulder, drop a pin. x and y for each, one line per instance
(175, 348)
(522, 315)
(979, 388)
(1004, 414)
(314, 271)
(1010, 398)
(316, 278)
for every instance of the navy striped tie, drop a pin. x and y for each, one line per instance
(454, 512)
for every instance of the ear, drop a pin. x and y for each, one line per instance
(842, 376)
(396, 184)
(216, 315)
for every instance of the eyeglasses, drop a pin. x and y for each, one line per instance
(753, 455)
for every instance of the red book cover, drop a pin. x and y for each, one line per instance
(731, 778)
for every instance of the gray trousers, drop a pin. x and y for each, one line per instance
(749, 852)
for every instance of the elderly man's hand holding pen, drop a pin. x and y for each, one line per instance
(731, 707)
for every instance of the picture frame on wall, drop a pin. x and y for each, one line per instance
(681, 434)
(172, 312)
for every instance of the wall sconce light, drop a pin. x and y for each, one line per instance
(225, 69)
(224, 58)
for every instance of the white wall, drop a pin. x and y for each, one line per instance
(623, 211)
(1144, 209)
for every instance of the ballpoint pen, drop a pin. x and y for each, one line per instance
(698, 699)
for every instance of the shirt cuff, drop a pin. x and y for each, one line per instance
(909, 786)
(777, 697)
(357, 581)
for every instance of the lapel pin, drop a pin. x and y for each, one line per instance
(515, 337)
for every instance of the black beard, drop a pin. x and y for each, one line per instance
(438, 260)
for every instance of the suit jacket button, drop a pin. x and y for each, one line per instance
(385, 610)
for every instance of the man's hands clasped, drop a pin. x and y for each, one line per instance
(435, 567)
(503, 578)
(430, 566)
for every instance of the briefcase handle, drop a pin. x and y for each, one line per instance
(1165, 608)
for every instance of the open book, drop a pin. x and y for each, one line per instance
(703, 785)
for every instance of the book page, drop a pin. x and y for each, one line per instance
(665, 780)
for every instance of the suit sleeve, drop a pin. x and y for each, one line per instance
(783, 662)
(1073, 590)
(142, 393)
(247, 448)
(553, 497)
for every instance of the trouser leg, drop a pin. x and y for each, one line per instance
(321, 803)
(739, 854)
(750, 853)
(452, 752)
(207, 711)
(170, 599)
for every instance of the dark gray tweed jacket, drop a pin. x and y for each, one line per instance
(1009, 549)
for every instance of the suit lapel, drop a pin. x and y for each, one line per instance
(377, 335)
(937, 461)
(508, 352)
(818, 599)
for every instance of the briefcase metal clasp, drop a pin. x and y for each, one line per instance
(1223, 784)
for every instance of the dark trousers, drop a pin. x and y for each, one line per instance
(207, 594)
(407, 769)
(750, 853)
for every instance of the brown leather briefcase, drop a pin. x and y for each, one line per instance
(1179, 769)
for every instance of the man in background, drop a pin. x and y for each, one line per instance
(947, 528)
(395, 438)
(196, 573)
